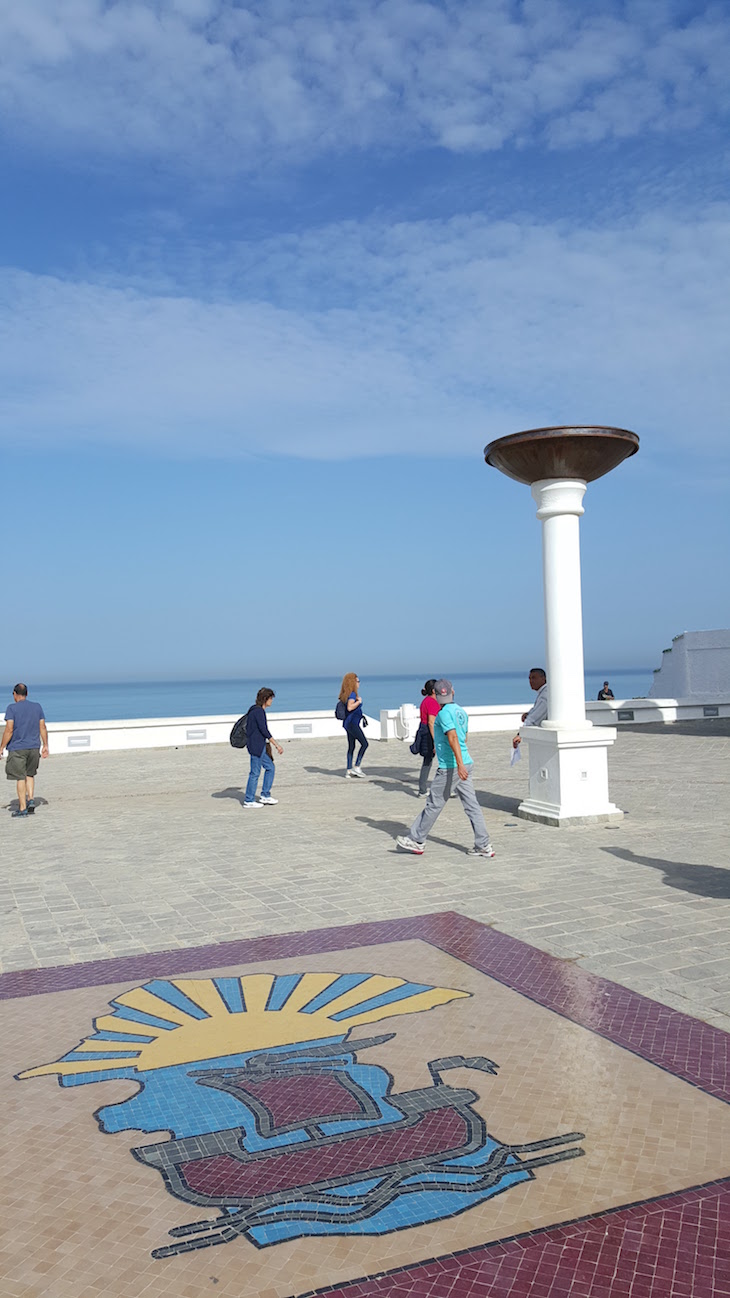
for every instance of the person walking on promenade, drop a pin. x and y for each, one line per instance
(539, 709)
(353, 722)
(423, 744)
(258, 739)
(26, 738)
(454, 770)
(606, 692)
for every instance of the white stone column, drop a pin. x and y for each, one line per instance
(559, 507)
(568, 756)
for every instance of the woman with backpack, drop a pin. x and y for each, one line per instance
(258, 741)
(423, 745)
(349, 712)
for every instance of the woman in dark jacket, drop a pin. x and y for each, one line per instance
(257, 737)
(423, 744)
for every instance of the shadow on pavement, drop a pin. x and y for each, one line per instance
(709, 728)
(235, 794)
(13, 805)
(496, 802)
(393, 827)
(397, 786)
(703, 880)
(403, 775)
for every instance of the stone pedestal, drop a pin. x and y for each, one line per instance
(568, 776)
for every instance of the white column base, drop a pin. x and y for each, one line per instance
(568, 777)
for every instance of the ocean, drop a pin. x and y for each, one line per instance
(130, 699)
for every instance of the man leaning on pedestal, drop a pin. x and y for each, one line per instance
(538, 711)
(24, 735)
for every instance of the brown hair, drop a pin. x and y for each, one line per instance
(348, 687)
(264, 695)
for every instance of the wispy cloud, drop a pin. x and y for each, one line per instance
(372, 339)
(216, 83)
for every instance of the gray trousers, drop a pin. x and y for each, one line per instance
(438, 795)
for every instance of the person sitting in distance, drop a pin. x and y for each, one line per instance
(538, 711)
(606, 692)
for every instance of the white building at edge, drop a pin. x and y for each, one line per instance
(697, 666)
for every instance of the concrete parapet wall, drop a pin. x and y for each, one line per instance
(181, 732)
(395, 723)
(401, 723)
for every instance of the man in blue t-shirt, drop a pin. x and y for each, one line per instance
(26, 738)
(455, 763)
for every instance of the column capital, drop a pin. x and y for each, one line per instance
(558, 496)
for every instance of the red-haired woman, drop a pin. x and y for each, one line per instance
(353, 721)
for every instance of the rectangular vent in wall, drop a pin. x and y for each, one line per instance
(624, 714)
(192, 735)
(710, 712)
(79, 741)
(303, 728)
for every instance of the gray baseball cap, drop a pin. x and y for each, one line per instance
(444, 691)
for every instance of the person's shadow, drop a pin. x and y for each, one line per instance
(235, 794)
(497, 802)
(702, 880)
(394, 827)
(14, 805)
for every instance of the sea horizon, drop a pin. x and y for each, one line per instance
(129, 700)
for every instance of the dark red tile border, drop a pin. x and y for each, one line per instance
(692, 1050)
(674, 1247)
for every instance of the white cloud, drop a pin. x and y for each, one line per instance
(373, 339)
(210, 82)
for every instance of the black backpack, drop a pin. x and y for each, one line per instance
(238, 733)
(341, 710)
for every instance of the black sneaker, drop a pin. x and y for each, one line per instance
(31, 807)
(19, 813)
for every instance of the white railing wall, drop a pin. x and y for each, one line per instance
(401, 723)
(182, 732)
(395, 723)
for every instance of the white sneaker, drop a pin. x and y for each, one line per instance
(410, 845)
(268, 801)
(348, 774)
(482, 851)
(252, 804)
(356, 770)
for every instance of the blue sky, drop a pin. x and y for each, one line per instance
(272, 275)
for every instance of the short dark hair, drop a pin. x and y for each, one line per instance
(428, 688)
(538, 671)
(21, 689)
(264, 695)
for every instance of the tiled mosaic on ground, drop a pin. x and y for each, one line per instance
(415, 1107)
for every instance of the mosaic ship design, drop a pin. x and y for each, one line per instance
(285, 1131)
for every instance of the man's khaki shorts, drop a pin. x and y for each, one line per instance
(22, 763)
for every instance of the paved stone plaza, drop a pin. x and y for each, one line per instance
(150, 850)
(318, 1065)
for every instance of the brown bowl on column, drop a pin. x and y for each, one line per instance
(561, 452)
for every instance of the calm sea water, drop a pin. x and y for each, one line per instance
(213, 698)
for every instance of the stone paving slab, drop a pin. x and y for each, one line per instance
(144, 851)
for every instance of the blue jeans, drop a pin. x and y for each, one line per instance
(354, 736)
(257, 763)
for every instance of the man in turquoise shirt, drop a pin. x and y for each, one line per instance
(455, 763)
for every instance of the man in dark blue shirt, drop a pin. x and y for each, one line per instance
(26, 738)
